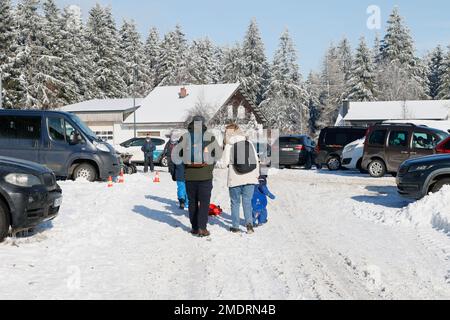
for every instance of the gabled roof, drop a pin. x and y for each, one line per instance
(163, 104)
(103, 105)
(399, 110)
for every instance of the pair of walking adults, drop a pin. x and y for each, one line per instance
(199, 165)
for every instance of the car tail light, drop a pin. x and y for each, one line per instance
(441, 149)
(299, 148)
(443, 146)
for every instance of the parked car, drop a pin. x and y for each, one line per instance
(296, 150)
(332, 141)
(134, 145)
(418, 177)
(352, 155)
(29, 195)
(389, 145)
(58, 140)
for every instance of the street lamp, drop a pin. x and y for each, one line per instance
(1, 87)
(135, 75)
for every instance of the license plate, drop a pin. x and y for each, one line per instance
(57, 203)
(287, 149)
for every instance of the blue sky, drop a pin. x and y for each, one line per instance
(313, 24)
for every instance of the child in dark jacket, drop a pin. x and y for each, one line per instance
(259, 202)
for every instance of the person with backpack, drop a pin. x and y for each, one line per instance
(198, 152)
(148, 148)
(241, 158)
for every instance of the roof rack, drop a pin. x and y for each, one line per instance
(398, 124)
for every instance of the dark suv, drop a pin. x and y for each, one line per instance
(296, 150)
(418, 177)
(388, 145)
(29, 195)
(332, 141)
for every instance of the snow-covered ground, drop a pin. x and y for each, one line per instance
(330, 236)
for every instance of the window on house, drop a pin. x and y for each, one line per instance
(105, 135)
(143, 134)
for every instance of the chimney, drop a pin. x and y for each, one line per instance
(183, 93)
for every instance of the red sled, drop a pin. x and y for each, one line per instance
(215, 210)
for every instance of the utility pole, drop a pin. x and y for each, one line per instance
(135, 74)
(1, 88)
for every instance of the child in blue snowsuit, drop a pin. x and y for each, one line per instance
(177, 172)
(259, 201)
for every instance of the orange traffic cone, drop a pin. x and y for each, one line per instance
(121, 177)
(110, 182)
(156, 179)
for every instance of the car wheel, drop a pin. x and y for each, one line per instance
(129, 170)
(377, 169)
(85, 171)
(165, 162)
(4, 221)
(359, 166)
(438, 185)
(333, 164)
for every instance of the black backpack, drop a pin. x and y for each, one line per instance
(244, 152)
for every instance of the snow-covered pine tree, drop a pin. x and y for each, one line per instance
(313, 88)
(56, 82)
(76, 60)
(103, 47)
(444, 89)
(173, 66)
(255, 72)
(217, 66)
(233, 64)
(167, 61)
(333, 88)
(436, 72)
(201, 61)
(135, 73)
(152, 52)
(286, 99)
(376, 50)
(397, 60)
(7, 51)
(345, 56)
(362, 83)
(35, 88)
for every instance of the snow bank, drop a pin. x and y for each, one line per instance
(434, 209)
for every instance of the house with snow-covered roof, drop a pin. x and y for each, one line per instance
(169, 107)
(369, 113)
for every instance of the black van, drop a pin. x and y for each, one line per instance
(332, 141)
(58, 140)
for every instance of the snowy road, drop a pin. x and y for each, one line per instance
(330, 236)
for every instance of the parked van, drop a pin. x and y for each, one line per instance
(58, 140)
(389, 145)
(332, 141)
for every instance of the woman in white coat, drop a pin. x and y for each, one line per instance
(241, 182)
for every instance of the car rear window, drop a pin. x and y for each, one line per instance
(291, 140)
(337, 138)
(377, 138)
